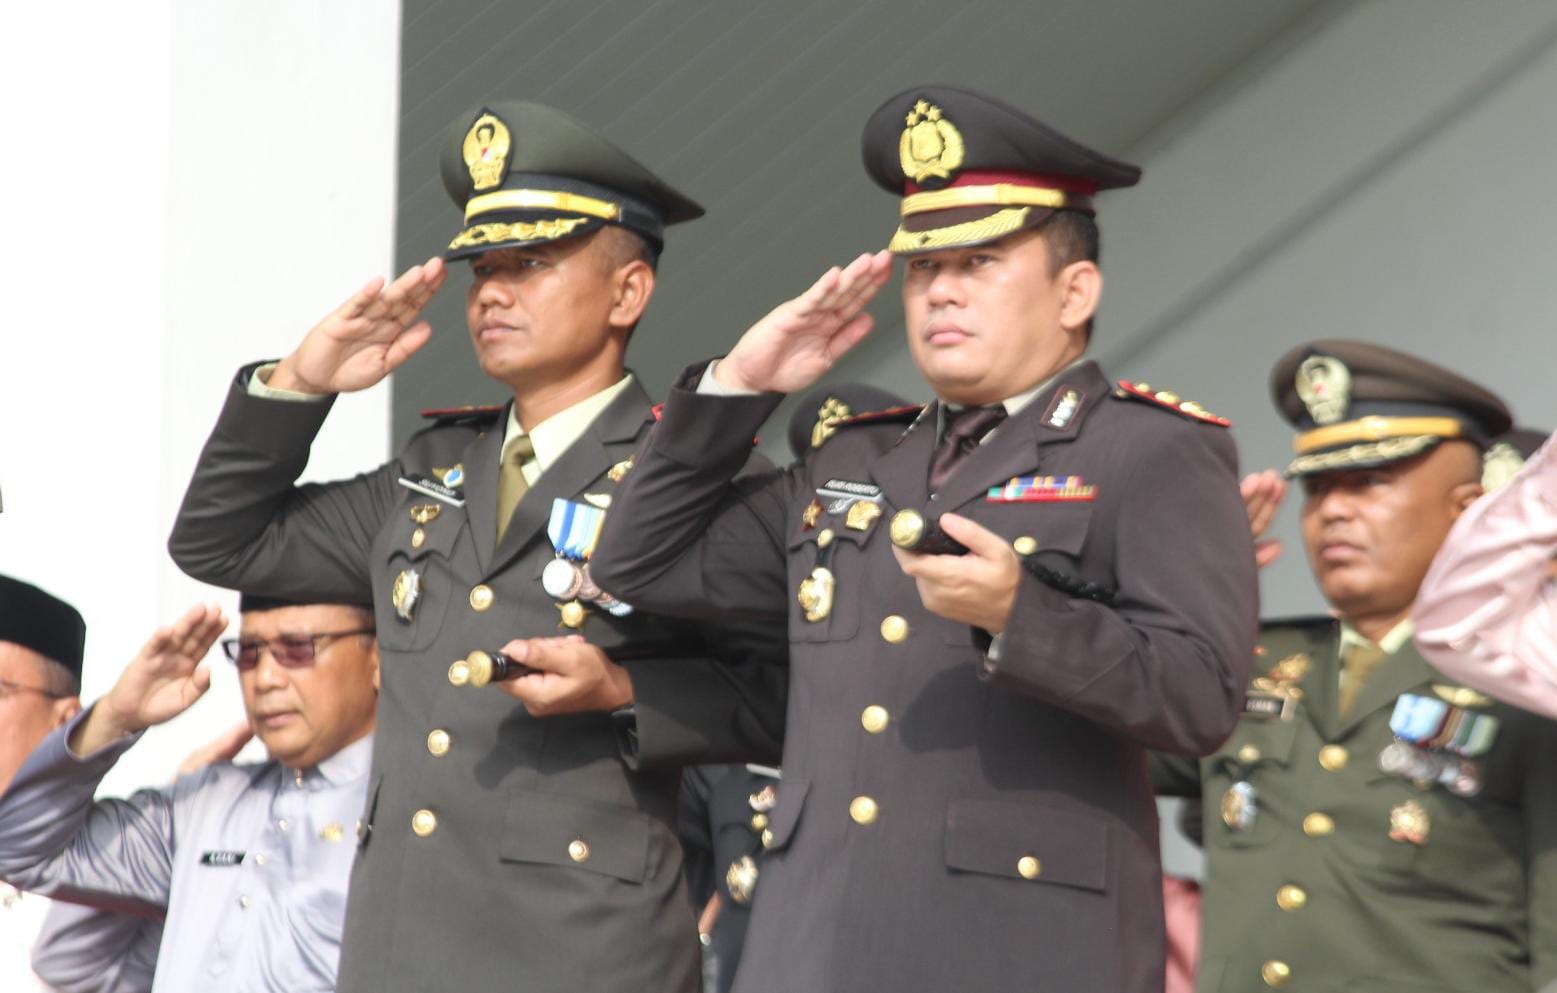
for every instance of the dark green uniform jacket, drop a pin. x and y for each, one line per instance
(1328, 873)
(498, 851)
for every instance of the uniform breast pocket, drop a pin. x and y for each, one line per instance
(549, 829)
(1028, 843)
(823, 561)
(417, 583)
(1244, 782)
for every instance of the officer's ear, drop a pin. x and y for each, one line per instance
(63, 710)
(1462, 496)
(373, 661)
(1081, 288)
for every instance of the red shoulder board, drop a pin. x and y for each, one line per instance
(907, 412)
(468, 414)
(1168, 400)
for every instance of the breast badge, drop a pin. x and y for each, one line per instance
(816, 594)
(406, 594)
(1239, 806)
(1409, 823)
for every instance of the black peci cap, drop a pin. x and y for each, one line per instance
(42, 623)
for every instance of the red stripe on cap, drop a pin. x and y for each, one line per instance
(991, 177)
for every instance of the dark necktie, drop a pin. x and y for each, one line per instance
(964, 430)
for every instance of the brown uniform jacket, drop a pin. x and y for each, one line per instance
(1325, 883)
(508, 852)
(948, 822)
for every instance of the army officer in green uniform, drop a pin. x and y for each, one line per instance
(1372, 825)
(518, 836)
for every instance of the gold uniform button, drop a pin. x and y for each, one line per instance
(875, 719)
(894, 628)
(481, 597)
(459, 673)
(1025, 545)
(1029, 867)
(1248, 753)
(824, 537)
(1275, 973)
(1333, 757)
(1291, 897)
(767, 838)
(418, 538)
(423, 823)
(759, 822)
(1317, 825)
(438, 742)
(578, 850)
(863, 810)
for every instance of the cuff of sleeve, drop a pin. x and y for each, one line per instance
(707, 430)
(259, 386)
(709, 385)
(285, 428)
(108, 754)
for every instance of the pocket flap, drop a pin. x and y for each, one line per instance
(567, 831)
(786, 814)
(1028, 842)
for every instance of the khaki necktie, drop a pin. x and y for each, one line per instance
(511, 484)
(1357, 664)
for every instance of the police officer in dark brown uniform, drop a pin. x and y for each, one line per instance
(1372, 824)
(965, 802)
(517, 836)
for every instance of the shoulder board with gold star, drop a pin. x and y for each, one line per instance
(470, 415)
(1168, 400)
(892, 415)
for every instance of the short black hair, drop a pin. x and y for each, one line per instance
(1071, 236)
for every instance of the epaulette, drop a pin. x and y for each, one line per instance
(470, 415)
(1302, 621)
(900, 415)
(1168, 400)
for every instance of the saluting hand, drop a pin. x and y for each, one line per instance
(575, 677)
(978, 588)
(160, 683)
(1262, 496)
(366, 338)
(799, 340)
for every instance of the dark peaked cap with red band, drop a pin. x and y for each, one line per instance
(525, 174)
(971, 168)
(43, 623)
(1357, 405)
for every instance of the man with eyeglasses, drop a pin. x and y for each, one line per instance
(250, 863)
(45, 944)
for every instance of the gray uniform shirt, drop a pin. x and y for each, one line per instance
(250, 861)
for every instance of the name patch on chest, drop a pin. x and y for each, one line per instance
(431, 486)
(222, 859)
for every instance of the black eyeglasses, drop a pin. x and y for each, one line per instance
(9, 689)
(292, 651)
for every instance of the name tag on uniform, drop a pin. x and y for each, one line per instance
(430, 486)
(222, 859)
(1265, 705)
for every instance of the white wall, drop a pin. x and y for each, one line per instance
(195, 187)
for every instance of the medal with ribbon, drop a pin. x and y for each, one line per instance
(574, 530)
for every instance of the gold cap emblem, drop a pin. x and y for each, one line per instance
(1324, 384)
(486, 151)
(931, 146)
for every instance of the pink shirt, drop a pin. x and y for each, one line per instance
(1487, 611)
